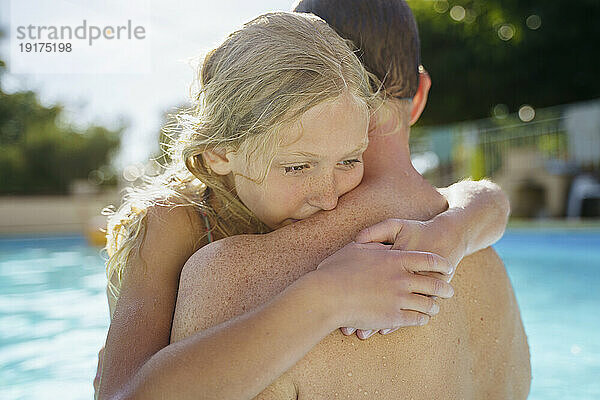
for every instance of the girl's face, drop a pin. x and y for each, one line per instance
(320, 160)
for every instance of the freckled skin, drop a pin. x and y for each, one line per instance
(475, 348)
(330, 130)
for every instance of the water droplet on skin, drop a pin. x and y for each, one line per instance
(349, 373)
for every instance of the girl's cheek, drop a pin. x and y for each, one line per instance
(287, 191)
(353, 179)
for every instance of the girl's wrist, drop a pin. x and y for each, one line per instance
(454, 226)
(319, 299)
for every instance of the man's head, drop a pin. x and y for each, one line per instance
(386, 34)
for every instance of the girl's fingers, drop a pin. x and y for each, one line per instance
(390, 330)
(364, 334)
(384, 231)
(421, 261)
(422, 304)
(428, 286)
(416, 311)
(374, 246)
(348, 331)
(411, 318)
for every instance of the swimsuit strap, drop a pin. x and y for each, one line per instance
(206, 221)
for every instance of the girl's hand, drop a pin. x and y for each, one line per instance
(436, 236)
(371, 286)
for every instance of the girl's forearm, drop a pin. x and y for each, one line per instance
(241, 357)
(477, 209)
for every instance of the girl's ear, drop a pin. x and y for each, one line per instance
(218, 161)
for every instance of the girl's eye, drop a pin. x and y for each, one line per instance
(295, 169)
(350, 163)
(302, 168)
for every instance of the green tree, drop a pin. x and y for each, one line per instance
(41, 154)
(481, 53)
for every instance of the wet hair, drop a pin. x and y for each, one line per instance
(385, 33)
(258, 82)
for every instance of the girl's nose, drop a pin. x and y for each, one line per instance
(324, 194)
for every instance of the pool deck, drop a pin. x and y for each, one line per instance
(30, 215)
(80, 214)
(554, 224)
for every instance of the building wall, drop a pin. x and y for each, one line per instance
(54, 214)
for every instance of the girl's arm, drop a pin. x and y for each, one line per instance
(260, 272)
(476, 218)
(236, 359)
(239, 358)
(480, 212)
(141, 322)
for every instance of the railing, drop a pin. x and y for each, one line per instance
(484, 148)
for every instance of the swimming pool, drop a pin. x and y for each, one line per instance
(54, 316)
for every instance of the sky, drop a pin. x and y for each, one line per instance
(133, 82)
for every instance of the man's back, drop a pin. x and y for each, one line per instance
(475, 348)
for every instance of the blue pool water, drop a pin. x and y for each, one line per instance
(53, 313)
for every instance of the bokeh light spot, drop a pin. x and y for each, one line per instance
(471, 16)
(526, 113)
(441, 6)
(457, 13)
(500, 111)
(506, 32)
(132, 172)
(533, 22)
(96, 177)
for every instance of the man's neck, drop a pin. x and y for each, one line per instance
(387, 162)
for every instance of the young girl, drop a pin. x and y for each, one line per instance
(282, 89)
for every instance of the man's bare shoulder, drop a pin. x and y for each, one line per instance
(479, 329)
(205, 280)
(223, 280)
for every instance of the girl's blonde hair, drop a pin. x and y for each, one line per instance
(259, 81)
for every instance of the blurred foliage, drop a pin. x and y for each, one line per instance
(481, 53)
(43, 154)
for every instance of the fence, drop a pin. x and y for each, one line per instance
(541, 156)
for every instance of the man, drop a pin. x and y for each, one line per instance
(474, 348)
